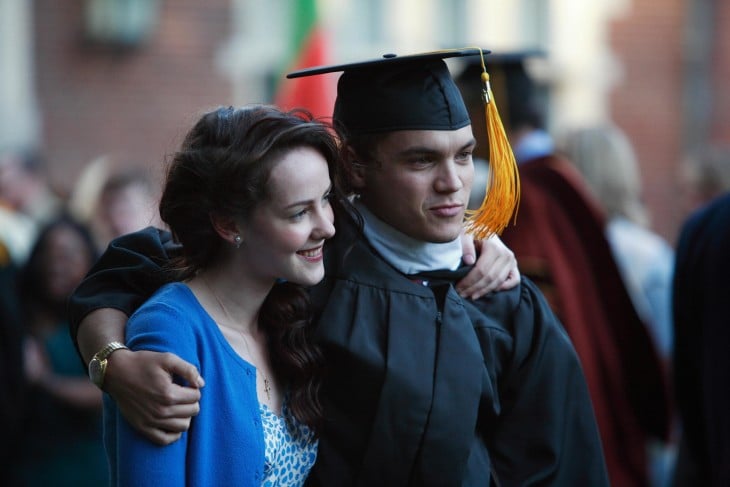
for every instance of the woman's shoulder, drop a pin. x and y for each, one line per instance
(171, 320)
(173, 300)
(174, 295)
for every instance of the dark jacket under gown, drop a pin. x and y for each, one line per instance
(701, 345)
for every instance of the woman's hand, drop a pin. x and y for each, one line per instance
(495, 268)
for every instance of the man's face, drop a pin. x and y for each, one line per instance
(420, 182)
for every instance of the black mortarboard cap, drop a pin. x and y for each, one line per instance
(417, 92)
(413, 92)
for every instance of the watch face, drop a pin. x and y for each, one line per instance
(96, 370)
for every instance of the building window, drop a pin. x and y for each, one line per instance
(120, 23)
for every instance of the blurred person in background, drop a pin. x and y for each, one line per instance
(26, 201)
(702, 345)
(17, 233)
(127, 203)
(704, 174)
(606, 159)
(12, 380)
(560, 243)
(24, 186)
(61, 442)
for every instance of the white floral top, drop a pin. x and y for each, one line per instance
(291, 448)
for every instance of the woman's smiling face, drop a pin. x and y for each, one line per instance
(284, 236)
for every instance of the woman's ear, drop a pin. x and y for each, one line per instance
(227, 228)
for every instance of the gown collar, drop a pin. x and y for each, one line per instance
(408, 255)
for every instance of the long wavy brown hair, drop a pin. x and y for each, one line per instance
(222, 168)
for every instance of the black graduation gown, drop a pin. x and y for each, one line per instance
(426, 388)
(423, 387)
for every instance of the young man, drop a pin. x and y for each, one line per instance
(424, 387)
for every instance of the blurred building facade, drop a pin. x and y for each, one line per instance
(85, 78)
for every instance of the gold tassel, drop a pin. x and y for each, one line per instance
(502, 194)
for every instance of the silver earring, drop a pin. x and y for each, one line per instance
(237, 240)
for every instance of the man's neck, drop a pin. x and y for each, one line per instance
(408, 255)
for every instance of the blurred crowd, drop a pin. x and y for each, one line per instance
(50, 411)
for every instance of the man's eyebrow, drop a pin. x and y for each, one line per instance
(420, 150)
(469, 145)
(473, 141)
(417, 150)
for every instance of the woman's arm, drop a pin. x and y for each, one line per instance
(138, 461)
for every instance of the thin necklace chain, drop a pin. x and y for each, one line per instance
(267, 385)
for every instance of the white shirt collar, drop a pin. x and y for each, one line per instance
(408, 255)
(537, 143)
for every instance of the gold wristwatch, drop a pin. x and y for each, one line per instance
(97, 364)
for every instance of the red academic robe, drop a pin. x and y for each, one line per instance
(559, 242)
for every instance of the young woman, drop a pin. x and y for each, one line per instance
(249, 197)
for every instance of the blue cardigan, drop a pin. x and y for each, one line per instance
(225, 442)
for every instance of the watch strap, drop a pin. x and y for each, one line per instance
(108, 349)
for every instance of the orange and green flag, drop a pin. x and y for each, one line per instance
(309, 46)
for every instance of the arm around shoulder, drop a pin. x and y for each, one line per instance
(126, 274)
(99, 328)
(141, 382)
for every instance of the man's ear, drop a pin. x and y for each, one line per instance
(226, 227)
(355, 169)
